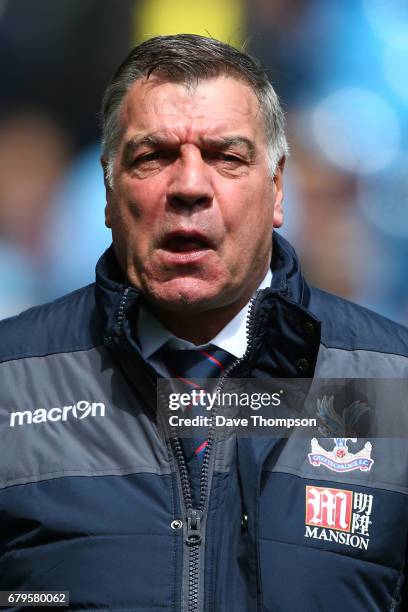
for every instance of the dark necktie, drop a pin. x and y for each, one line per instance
(187, 365)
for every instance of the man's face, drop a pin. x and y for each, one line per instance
(193, 203)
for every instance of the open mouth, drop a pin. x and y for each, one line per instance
(184, 243)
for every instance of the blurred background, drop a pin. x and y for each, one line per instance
(340, 69)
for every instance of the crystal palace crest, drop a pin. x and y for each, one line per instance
(340, 459)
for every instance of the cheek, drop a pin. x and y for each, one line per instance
(249, 227)
(250, 212)
(138, 209)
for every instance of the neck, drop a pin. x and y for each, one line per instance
(199, 327)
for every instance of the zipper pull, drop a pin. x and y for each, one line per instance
(194, 527)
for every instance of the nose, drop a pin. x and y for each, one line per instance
(191, 184)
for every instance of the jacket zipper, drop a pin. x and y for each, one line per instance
(195, 515)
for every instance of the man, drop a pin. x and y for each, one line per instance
(94, 501)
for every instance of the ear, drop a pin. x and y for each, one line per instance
(108, 191)
(278, 189)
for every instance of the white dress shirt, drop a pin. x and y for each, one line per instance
(152, 335)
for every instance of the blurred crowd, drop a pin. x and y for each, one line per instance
(339, 68)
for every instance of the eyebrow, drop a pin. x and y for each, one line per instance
(229, 142)
(134, 143)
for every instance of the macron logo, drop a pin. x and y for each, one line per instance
(80, 410)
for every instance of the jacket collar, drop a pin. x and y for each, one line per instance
(287, 276)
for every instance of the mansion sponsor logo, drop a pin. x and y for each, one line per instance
(338, 515)
(81, 410)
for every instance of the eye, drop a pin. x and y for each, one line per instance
(230, 158)
(153, 156)
(226, 158)
(153, 161)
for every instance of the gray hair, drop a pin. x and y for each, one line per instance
(189, 59)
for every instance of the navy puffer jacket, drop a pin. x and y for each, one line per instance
(94, 502)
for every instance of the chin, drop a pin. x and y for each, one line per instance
(188, 296)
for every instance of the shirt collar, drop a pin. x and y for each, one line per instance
(152, 335)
